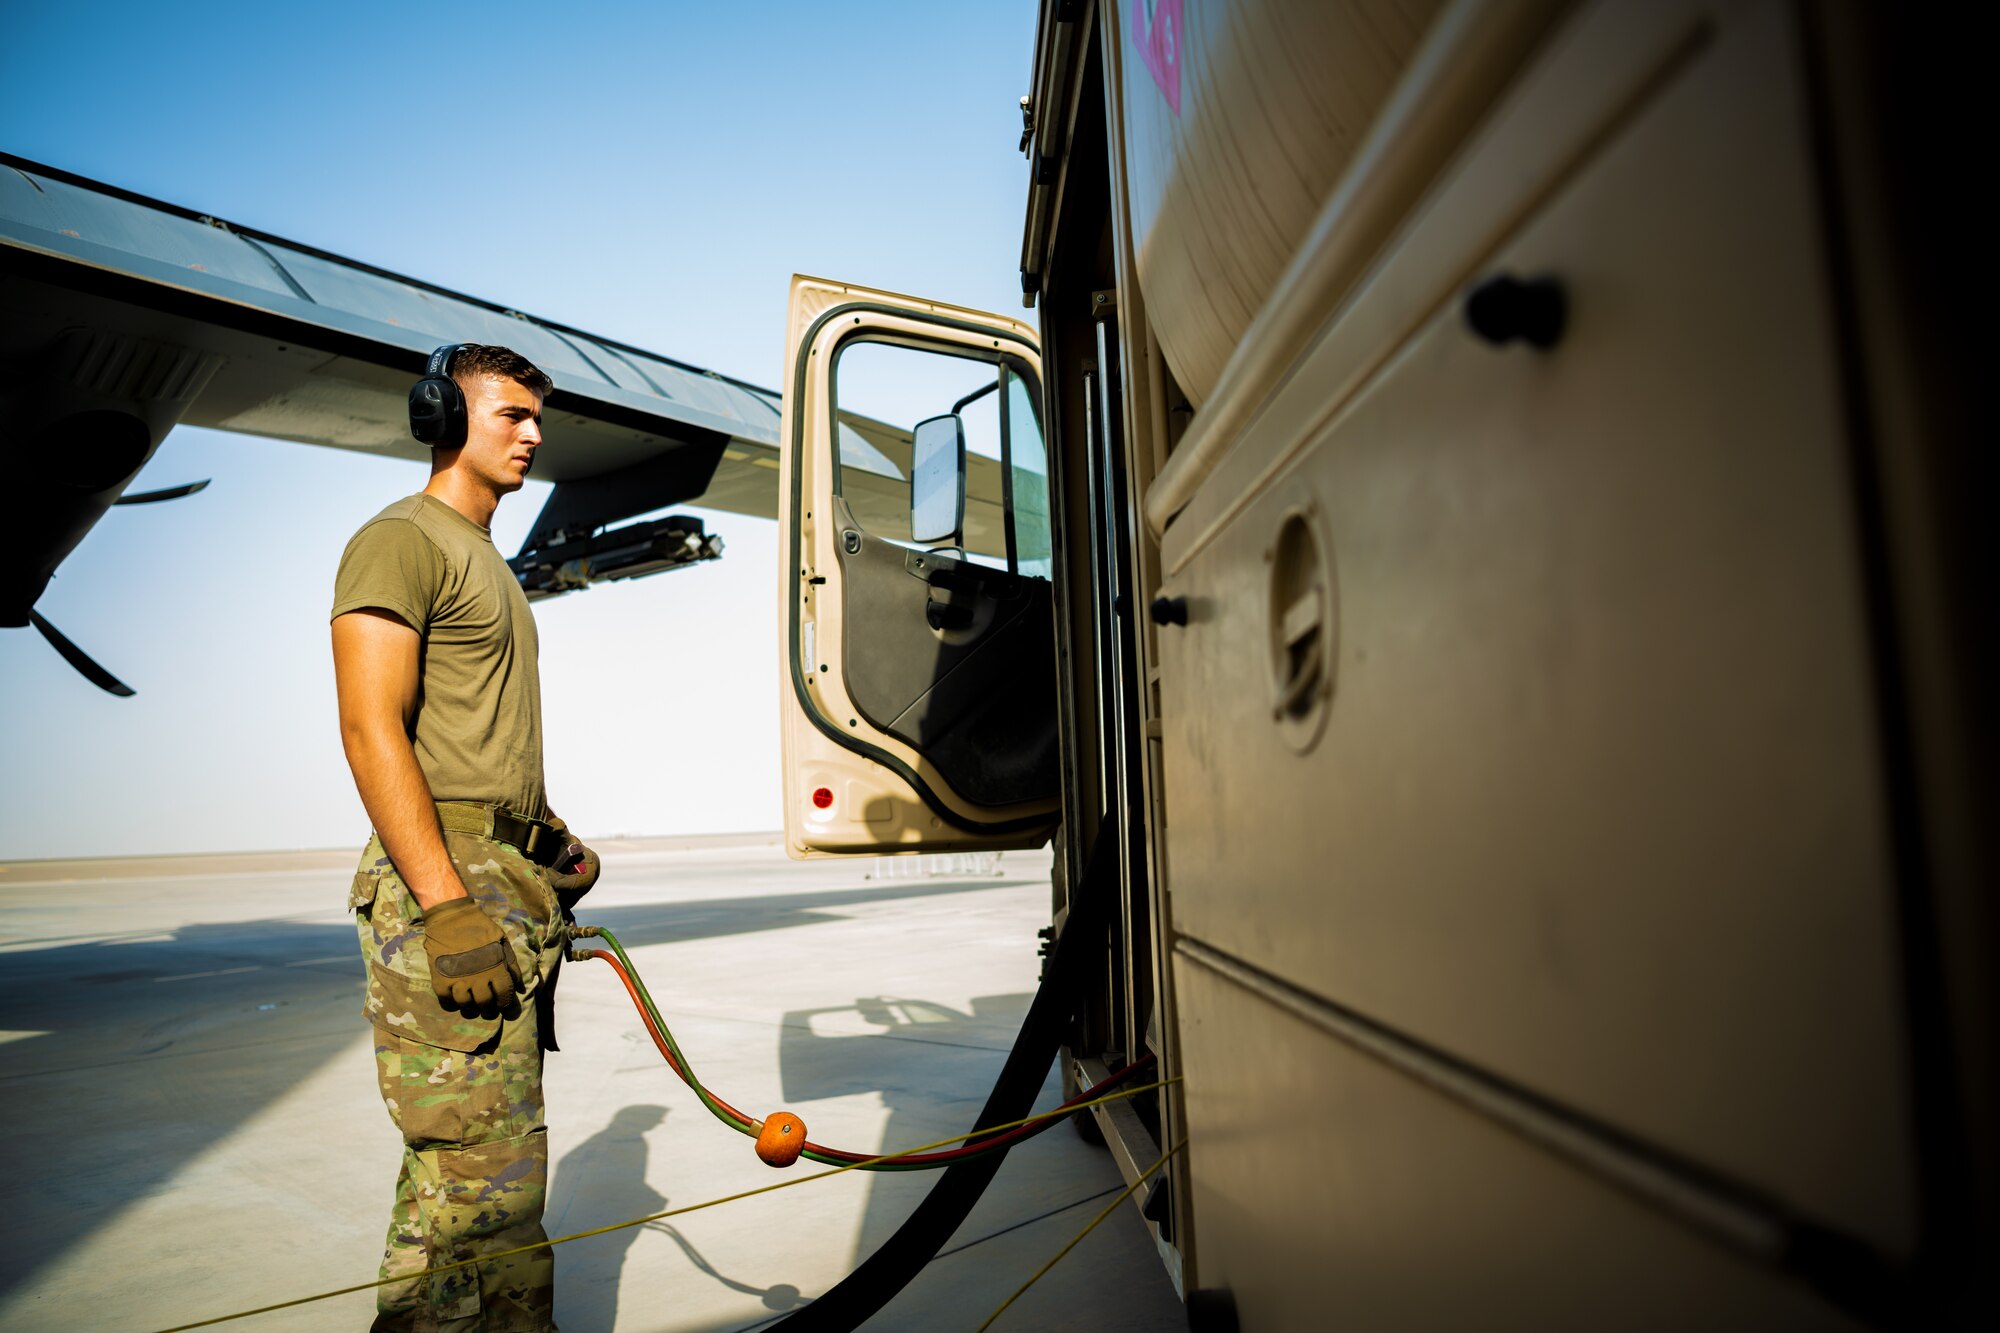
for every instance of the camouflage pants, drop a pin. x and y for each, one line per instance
(466, 1094)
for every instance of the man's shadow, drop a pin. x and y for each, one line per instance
(609, 1168)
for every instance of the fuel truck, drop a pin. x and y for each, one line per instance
(1482, 528)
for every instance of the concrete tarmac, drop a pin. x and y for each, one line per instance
(194, 1127)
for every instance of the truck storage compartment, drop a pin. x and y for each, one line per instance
(1561, 652)
(1336, 1191)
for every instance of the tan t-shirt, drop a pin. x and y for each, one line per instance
(478, 732)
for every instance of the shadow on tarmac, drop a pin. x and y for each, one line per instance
(668, 923)
(933, 1066)
(609, 1169)
(145, 1052)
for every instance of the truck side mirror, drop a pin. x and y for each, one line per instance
(937, 481)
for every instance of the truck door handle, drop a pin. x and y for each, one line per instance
(947, 608)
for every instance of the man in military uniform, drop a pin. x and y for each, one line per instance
(462, 892)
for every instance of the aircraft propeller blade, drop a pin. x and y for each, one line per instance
(79, 659)
(168, 493)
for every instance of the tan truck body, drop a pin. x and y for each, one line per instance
(1546, 779)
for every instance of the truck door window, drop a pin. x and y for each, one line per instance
(881, 390)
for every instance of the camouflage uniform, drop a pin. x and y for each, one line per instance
(466, 1094)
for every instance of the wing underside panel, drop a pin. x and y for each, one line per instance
(311, 347)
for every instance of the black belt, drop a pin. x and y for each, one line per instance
(535, 839)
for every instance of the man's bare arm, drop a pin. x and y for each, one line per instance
(375, 674)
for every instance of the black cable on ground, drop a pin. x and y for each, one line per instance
(901, 1257)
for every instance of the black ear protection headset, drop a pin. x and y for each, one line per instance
(437, 404)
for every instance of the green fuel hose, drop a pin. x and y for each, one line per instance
(751, 1126)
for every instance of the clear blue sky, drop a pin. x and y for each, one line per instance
(651, 173)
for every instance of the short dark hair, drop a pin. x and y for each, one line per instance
(478, 360)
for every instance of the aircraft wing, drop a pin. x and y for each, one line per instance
(120, 302)
(125, 316)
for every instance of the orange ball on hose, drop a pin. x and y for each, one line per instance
(781, 1139)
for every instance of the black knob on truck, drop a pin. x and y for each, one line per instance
(1504, 308)
(1169, 610)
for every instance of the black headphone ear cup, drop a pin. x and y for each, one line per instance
(437, 412)
(427, 411)
(437, 404)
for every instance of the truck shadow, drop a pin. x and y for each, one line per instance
(637, 925)
(932, 1066)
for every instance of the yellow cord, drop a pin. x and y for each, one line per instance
(1109, 1208)
(676, 1212)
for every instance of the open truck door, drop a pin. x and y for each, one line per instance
(919, 685)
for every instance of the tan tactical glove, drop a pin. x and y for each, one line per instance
(574, 871)
(470, 967)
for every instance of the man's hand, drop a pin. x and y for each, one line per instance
(470, 968)
(574, 871)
